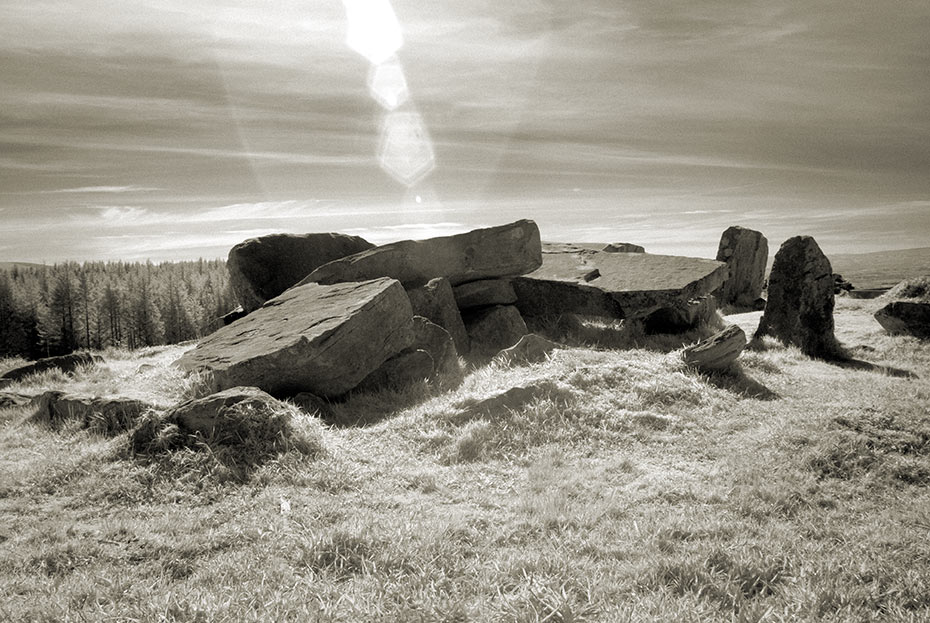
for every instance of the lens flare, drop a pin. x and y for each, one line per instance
(406, 152)
(387, 84)
(373, 30)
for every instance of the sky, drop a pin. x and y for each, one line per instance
(173, 129)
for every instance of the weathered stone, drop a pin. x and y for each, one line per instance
(492, 329)
(202, 415)
(508, 400)
(623, 247)
(746, 253)
(501, 251)
(684, 317)
(613, 285)
(438, 343)
(529, 349)
(262, 268)
(104, 415)
(799, 310)
(435, 301)
(905, 318)
(484, 292)
(65, 363)
(404, 369)
(314, 338)
(718, 351)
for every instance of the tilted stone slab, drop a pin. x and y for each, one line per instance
(262, 268)
(313, 338)
(502, 251)
(615, 285)
(718, 351)
(905, 318)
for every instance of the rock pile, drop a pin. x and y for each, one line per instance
(799, 310)
(745, 252)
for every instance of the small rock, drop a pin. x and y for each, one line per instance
(492, 329)
(507, 400)
(529, 349)
(905, 318)
(623, 247)
(718, 351)
(202, 415)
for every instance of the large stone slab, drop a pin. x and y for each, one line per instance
(313, 338)
(502, 251)
(262, 268)
(615, 285)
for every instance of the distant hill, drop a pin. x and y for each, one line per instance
(883, 268)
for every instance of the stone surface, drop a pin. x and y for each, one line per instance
(529, 349)
(718, 351)
(799, 309)
(683, 317)
(501, 251)
(746, 253)
(65, 363)
(435, 340)
(623, 247)
(313, 338)
(614, 285)
(484, 292)
(508, 400)
(9, 400)
(203, 414)
(104, 415)
(404, 369)
(435, 301)
(905, 318)
(262, 268)
(492, 329)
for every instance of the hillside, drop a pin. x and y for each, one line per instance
(881, 269)
(627, 488)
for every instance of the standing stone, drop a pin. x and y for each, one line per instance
(312, 338)
(799, 309)
(435, 301)
(262, 268)
(492, 329)
(484, 292)
(501, 251)
(623, 247)
(745, 252)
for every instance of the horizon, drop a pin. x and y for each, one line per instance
(176, 130)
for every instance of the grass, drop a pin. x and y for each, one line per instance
(621, 486)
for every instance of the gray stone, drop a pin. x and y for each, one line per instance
(65, 363)
(501, 251)
(105, 415)
(746, 253)
(438, 343)
(905, 318)
(484, 292)
(508, 400)
(718, 351)
(623, 247)
(262, 268)
(435, 301)
(202, 415)
(529, 349)
(313, 338)
(613, 285)
(799, 309)
(406, 368)
(492, 329)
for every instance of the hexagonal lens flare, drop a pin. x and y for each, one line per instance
(387, 83)
(406, 151)
(373, 30)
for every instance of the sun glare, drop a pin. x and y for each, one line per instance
(373, 30)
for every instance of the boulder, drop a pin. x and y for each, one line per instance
(613, 285)
(799, 309)
(438, 343)
(65, 363)
(746, 253)
(501, 251)
(531, 348)
(313, 338)
(262, 268)
(202, 415)
(623, 247)
(435, 301)
(483, 293)
(104, 415)
(905, 318)
(403, 369)
(492, 329)
(718, 351)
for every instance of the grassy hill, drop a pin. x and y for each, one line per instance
(881, 269)
(628, 488)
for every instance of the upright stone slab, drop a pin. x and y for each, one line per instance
(312, 338)
(502, 251)
(614, 285)
(435, 301)
(799, 309)
(262, 268)
(746, 253)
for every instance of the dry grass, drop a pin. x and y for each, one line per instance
(624, 487)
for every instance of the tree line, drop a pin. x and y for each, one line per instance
(55, 310)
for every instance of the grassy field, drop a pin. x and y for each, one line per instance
(625, 487)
